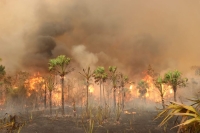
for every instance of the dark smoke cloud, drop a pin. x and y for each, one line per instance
(38, 52)
(45, 45)
(41, 44)
(128, 34)
(53, 29)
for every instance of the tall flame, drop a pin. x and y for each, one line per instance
(131, 87)
(171, 91)
(152, 92)
(91, 89)
(35, 83)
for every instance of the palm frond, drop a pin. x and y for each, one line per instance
(190, 118)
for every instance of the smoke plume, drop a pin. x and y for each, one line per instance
(127, 34)
(83, 57)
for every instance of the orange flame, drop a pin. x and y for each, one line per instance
(171, 91)
(131, 87)
(35, 83)
(152, 92)
(91, 89)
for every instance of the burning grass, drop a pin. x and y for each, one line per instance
(121, 102)
(13, 123)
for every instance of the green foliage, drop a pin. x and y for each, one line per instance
(158, 84)
(174, 78)
(100, 74)
(113, 75)
(59, 65)
(112, 69)
(100, 77)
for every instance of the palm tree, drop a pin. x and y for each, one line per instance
(100, 77)
(60, 65)
(45, 95)
(2, 71)
(87, 75)
(50, 85)
(142, 86)
(159, 85)
(174, 79)
(123, 80)
(189, 116)
(113, 77)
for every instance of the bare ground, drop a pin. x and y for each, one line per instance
(139, 121)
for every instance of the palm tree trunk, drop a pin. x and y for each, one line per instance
(108, 97)
(175, 96)
(68, 92)
(174, 89)
(114, 98)
(74, 107)
(50, 103)
(104, 95)
(87, 95)
(100, 93)
(119, 97)
(62, 87)
(123, 95)
(36, 103)
(45, 97)
(163, 102)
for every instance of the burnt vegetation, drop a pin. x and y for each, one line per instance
(99, 100)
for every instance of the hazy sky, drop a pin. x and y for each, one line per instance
(129, 34)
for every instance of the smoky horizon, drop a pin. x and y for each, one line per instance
(129, 34)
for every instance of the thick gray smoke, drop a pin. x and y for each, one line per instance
(128, 34)
(83, 57)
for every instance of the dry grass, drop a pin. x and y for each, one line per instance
(11, 123)
(190, 117)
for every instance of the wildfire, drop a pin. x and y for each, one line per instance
(91, 89)
(147, 94)
(152, 93)
(35, 83)
(131, 87)
(56, 99)
(151, 88)
(127, 112)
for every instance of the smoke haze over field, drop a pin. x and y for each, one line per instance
(129, 34)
